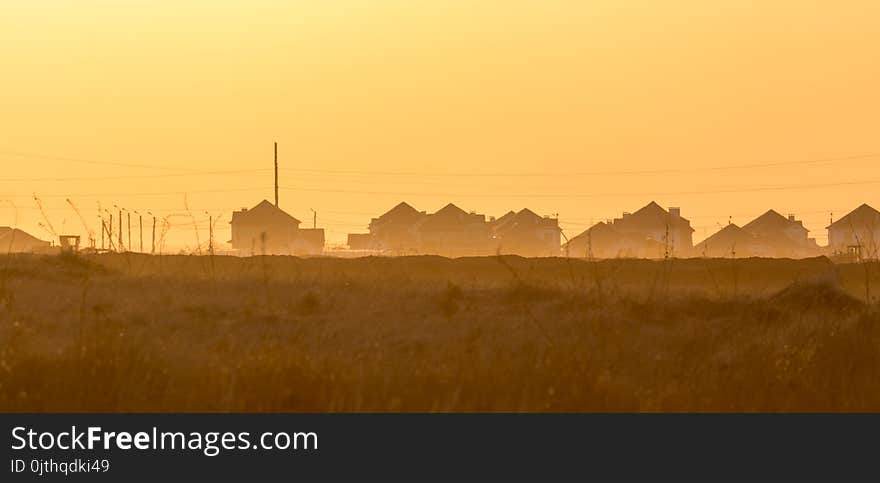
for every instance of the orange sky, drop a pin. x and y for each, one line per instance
(495, 106)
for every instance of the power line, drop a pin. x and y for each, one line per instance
(466, 195)
(589, 173)
(592, 195)
(9, 152)
(157, 193)
(145, 176)
(18, 153)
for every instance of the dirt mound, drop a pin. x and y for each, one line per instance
(816, 295)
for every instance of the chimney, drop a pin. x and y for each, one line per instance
(790, 217)
(675, 211)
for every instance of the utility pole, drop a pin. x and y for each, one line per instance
(276, 175)
(141, 230)
(314, 218)
(128, 215)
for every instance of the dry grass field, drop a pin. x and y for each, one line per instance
(185, 333)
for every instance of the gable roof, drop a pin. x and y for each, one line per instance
(18, 239)
(863, 215)
(772, 221)
(730, 233)
(264, 212)
(402, 213)
(450, 215)
(652, 209)
(596, 230)
(525, 219)
(6, 231)
(503, 219)
(651, 215)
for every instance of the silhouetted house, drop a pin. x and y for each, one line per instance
(856, 234)
(13, 240)
(784, 237)
(267, 229)
(453, 232)
(652, 232)
(732, 241)
(394, 232)
(602, 240)
(525, 233)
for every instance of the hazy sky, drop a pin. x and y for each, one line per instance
(374, 102)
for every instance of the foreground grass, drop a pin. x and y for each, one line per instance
(136, 333)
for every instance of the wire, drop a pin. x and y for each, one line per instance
(145, 176)
(157, 193)
(590, 195)
(18, 153)
(589, 173)
(10, 152)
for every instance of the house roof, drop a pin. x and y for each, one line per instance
(18, 238)
(864, 215)
(264, 212)
(731, 233)
(403, 213)
(771, 221)
(524, 218)
(598, 229)
(450, 215)
(651, 215)
(503, 219)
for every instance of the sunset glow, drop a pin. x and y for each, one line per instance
(583, 109)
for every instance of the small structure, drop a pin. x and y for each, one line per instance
(732, 241)
(268, 230)
(602, 240)
(69, 243)
(526, 234)
(395, 231)
(780, 236)
(13, 240)
(453, 232)
(857, 234)
(662, 233)
(650, 232)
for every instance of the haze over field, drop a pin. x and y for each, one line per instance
(129, 332)
(493, 106)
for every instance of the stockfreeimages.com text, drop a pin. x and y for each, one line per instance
(209, 443)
